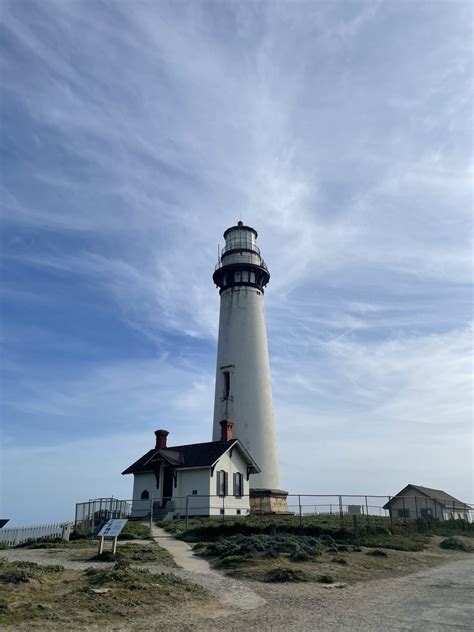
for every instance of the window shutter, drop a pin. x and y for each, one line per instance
(226, 476)
(218, 483)
(234, 484)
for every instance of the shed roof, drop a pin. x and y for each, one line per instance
(438, 494)
(192, 455)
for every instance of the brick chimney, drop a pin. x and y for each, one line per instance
(161, 439)
(226, 430)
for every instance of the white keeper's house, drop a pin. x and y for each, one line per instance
(200, 479)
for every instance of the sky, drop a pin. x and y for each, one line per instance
(133, 134)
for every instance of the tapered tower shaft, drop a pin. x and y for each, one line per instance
(243, 384)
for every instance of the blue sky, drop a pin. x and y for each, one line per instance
(133, 134)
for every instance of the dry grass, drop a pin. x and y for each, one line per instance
(78, 599)
(356, 566)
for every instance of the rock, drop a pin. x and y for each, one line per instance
(336, 585)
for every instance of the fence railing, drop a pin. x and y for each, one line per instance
(338, 509)
(19, 535)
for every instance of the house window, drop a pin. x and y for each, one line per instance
(145, 494)
(226, 378)
(252, 277)
(221, 483)
(238, 485)
(426, 513)
(245, 276)
(238, 512)
(403, 513)
(195, 491)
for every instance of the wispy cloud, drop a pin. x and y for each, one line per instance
(134, 137)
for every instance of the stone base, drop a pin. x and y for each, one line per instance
(269, 501)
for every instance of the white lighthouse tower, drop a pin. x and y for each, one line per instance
(243, 384)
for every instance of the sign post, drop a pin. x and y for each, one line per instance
(111, 529)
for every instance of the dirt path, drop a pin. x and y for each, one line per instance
(231, 593)
(434, 600)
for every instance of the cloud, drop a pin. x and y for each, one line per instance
(340, 131)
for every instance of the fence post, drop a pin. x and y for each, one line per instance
(356, 530)
(390, 513)
(341, 515)
(187, 511)
(299, 505)
(367, 510)
(151, 515)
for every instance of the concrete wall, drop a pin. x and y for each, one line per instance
(243, 351)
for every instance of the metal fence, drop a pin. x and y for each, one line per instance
(19, 535)
(96, 511)
(336, 509)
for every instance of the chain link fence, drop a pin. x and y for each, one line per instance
(343, 510)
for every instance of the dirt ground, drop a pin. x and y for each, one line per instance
(438, 596)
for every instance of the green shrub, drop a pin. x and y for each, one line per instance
(19, 572)
(232, 560)
(377, 553)
(339, 560)
(282, 574)
(455, 544)
(299, 548)
(326, 579)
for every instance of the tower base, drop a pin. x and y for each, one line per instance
(269, 501)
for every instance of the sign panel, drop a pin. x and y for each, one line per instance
(112, 528)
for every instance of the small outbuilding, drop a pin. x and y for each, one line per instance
(415, 501)
(200, 479)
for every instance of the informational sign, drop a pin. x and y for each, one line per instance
(112, 528)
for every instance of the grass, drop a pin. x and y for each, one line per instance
(208, 529)
(135, 531)
(50, 597)
(136, 554)
(407, 541)
(87, 550)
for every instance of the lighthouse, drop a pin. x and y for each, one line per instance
(243, 392)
